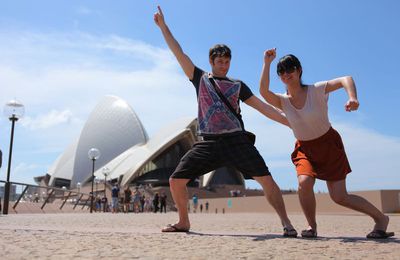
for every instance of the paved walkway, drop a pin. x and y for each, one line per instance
(213, 236)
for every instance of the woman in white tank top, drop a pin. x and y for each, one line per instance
(319, 151)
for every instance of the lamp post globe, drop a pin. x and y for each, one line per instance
(13, 110)
(93, 155)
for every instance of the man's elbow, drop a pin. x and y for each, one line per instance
(264, 94)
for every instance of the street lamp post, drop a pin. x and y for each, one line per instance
(13, 110)
(97, 180)
(93, 154)
(106, 172)
(78, 185)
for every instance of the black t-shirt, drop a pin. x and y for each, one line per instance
(115, 192)
(214, 117)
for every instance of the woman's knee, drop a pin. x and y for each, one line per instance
(338, 197)
(306, 183)
(337, 191)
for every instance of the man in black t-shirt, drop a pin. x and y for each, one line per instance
(224, 140)
(115, 198)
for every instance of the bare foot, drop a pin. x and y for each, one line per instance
(382, 224)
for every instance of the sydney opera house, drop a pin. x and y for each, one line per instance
(127, 153)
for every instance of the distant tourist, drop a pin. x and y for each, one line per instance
(319, 152)
(142, 202)
(136, 200)
(163, 202)
(97, 203)
(36, 198)
(195, 201)
(114, 198)
(207, 205)
(156, 201)
(148, 205)
(104, 201)
(127, 198)
(225, 141)
(201, 208)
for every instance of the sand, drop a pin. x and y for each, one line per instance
(212, 236)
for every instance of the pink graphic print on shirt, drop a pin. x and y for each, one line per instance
(214, 117)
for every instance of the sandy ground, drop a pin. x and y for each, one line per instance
(213, 236)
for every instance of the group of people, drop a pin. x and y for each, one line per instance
(318, 154)
(160, 202)
(137, 202)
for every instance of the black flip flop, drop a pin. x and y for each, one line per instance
(172, 228)
(289, 232)
(309, 233)
(379, 234)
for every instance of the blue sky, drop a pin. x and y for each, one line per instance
(61, 57)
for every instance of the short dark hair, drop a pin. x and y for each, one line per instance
(219, 50)
(288, 62)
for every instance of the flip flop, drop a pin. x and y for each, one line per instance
(379, 234)
(289, 232)
(173, 228)
(309, 233)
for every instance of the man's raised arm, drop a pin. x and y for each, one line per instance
(267, 110)
(185, 62)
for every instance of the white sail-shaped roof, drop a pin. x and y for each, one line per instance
(62, 167)
(112, 127)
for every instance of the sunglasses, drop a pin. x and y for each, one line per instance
(290, 70)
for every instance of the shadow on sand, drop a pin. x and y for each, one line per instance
(392, 240)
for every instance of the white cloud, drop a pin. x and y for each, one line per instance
(22, 168)
(76, 70)
(51, 119)
(82, 10)
(373, 157)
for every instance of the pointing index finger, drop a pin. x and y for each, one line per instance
(159, 10)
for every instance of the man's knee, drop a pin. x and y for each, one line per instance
(177, 183)
(265, 180)
(172, 182)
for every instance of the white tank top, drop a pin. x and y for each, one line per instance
(311, 121)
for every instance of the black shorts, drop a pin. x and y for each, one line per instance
(234, 151)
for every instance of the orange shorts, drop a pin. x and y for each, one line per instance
(322, 158)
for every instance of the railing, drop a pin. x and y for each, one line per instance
(45, 195)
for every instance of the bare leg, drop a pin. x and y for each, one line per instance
(307, 199)
(338, 193)
(274, 197)
(180, 195)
